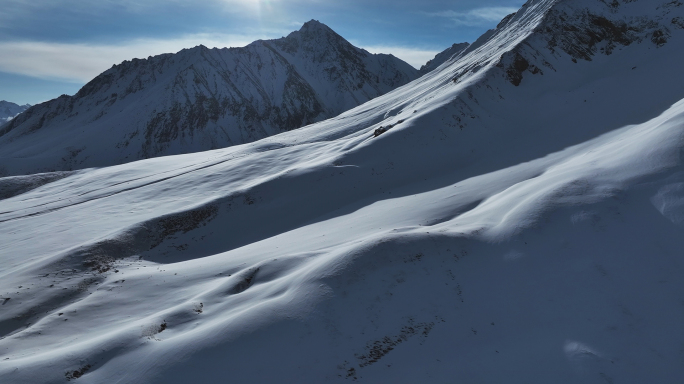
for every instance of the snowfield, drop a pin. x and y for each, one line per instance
(519, 219)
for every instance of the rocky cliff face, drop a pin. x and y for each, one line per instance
(200, 99)
(9, 110)
(585, 30)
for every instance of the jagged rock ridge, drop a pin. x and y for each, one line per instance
(200, 99)
(581, 33)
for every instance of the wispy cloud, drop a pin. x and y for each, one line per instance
(81, 62)
(417, 57)
(475, 17)
(23, 10)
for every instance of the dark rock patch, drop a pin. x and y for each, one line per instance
(382, 129)
(377, 349)
(77, 373)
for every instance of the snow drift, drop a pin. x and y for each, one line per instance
(515, 215)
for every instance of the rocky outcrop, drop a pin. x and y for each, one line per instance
(582, 32)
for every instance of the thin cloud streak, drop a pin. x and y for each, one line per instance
(476, 16)
(80, 63)
(21, 11)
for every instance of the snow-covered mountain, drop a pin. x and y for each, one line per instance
(9, 110)
(200, 99)
(515, 216)
(443, 56)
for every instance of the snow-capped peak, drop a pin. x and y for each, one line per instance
(9, 110)
(200, 99)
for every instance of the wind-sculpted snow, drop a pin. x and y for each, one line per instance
(199, 99)
(491, 232)
(16, 185)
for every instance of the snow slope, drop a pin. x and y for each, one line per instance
(199, 99)
(501, 229)
(9, 110)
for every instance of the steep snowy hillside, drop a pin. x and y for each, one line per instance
(439, 59)
(8, 110)
(513, 216)
(199, 99)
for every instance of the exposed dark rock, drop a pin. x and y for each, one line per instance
(678, 22)
(659, 37)
(377, 349)
(382, 129)
(515, 71)
(77, 373)
(379, 131)
(582, 35)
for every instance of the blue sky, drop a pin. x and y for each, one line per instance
(53, 47)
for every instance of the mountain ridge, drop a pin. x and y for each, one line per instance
(200, 99)
(440, 58)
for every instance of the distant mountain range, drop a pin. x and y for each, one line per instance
(199, 99)
(9, 110)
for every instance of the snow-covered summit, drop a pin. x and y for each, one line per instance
(9, 110)
(315, 27)
(199, 99)
(512, 216)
